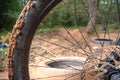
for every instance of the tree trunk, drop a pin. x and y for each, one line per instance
(75, 14)
(118, 12)
(92, 6)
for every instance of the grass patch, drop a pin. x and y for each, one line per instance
(99, 27)
(111, 27)
(3, 57)
(3, 32)
(114, 26)
(42, 29)
(76, 27)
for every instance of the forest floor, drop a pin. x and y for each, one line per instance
(4, 75)
(59, 43)
(53, 44)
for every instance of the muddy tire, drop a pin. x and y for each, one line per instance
(22, 35)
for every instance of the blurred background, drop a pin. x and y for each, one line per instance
(69, 13)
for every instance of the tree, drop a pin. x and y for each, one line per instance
(9, 11)
(92, 6)
(75, 13)
(118, 10)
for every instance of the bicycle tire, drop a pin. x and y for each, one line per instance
(22, 35)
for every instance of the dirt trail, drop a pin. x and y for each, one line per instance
(64, 39)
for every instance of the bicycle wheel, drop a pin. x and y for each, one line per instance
(22, 37)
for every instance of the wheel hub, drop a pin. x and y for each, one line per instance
(115, 76)
(108, 67)
(113, 73)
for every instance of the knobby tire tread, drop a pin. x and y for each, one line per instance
(22, 35)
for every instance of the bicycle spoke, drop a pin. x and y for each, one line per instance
(62, 46)
(80, 33)
(73, 75)
(38, 66)
(76, 41)
(94, 27)
(85, 41)
(107, 22)
(118, 36)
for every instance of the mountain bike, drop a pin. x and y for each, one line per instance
(102, 61)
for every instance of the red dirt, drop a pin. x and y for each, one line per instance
(58, 37)
(4, 75)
